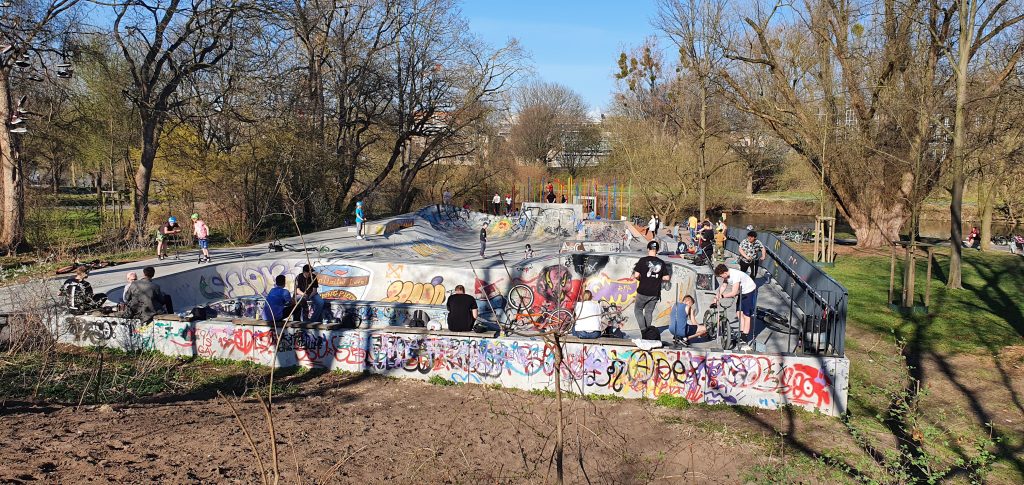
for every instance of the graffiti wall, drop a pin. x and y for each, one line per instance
(766, 381)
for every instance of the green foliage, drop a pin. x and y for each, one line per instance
(674, 402)
(441, 381)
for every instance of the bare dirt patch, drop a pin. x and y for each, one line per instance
(388, 430)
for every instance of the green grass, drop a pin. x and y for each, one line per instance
(673, 402)
(985, 315)
(441, 381)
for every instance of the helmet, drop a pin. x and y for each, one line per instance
(653, 245)
(359, 204)
(172, 220)
(195, 217)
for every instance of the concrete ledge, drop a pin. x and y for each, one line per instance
(600, 367)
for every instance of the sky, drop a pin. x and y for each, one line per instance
(571, 42)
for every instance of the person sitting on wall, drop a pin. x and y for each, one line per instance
(588, 317)
(144, 299)
(278, 301)
(307, 297)
(462, 311)
(77, 293)
(684, 315)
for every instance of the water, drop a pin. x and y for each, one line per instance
(929, 228)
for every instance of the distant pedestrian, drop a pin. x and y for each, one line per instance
(657, 226)
(447, 197)
(483, 240)
(651, 226)
(529, 252)
(202, 232)
(752, 252)
(551, 195)
(508, 204)
(692, 224)
(563, 198)
(496, 203)
(675, 232)
(360, 220)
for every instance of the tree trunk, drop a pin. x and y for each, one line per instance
(966, 14)
(13, 199)
(876, 229)
(986, 204)
(702, 163)
(143, 174)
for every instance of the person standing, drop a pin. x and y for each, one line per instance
(651, 224)
(483, 240)
(446, 198)
(752, 252)
(496, 204)
(692, 224)
(307, 295)
(462, 310)
(675, 232)
(657, 225)
(508, 204)
(144, 299)
(707, 241)
(163, 235)
(202, 232)
(649, 272)
(744, 287)
(360, 219)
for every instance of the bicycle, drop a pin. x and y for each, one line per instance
(89, 265)
(719, 327)
(520, 319)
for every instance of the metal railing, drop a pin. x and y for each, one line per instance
(817, 302)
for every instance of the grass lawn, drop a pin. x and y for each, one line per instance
(985, 316)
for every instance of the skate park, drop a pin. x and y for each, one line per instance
(408, 265)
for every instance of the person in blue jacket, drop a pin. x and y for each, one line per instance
(360, 219)
(278, 301)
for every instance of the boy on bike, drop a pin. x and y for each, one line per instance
(737, 283)
(164, 233)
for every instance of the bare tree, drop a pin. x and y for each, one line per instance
(542, 113)
(29, 31)
(164, 43)
(980, 22)
(876, 78)
(582, 146)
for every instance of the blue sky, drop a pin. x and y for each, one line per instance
(572, 42)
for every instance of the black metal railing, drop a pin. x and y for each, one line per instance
(817, 303)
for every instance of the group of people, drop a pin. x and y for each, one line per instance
(170, 231)
(305, 302)
(141, 298)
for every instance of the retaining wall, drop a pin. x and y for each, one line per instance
(604, 366)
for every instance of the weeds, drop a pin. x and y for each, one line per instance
(441, 381)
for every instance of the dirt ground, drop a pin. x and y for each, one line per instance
(345, 429)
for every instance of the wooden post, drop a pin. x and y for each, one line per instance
(910, 274)
(928, 279)
(892, 273)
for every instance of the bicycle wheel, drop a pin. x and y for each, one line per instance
(724, 333)
(710, 324)
(520, 298)
(777, 322)
(560, 321)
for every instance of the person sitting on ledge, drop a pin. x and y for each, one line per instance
(143, 299)
(462, 311)
(588, 317)
(78, 295)
(278, 301)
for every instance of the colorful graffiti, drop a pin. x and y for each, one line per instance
(432, 293)
(706, 377)
(233, 281)
(342, 282)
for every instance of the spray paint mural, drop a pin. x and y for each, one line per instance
(766, 381)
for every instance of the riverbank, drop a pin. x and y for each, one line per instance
(806, 204)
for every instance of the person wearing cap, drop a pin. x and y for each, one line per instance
(170, 229)
(649, 272)
(360, 219)
(202, 232)
(307, 295)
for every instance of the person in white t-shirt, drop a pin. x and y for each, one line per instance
(588, 317)
(738, 283)
(496, 202)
